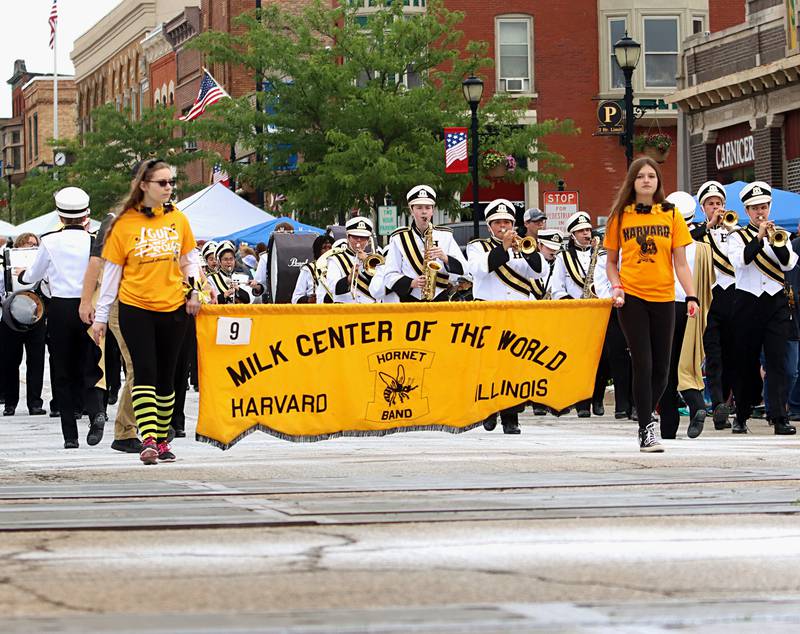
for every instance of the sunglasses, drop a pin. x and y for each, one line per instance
(164, 182)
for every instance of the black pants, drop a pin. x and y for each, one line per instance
(648, 328)
(187, 352)
(719, 344)
(12, 344)
(762, 321)
(670, 401)
(154, 340)
(113, 362)
(74, 359)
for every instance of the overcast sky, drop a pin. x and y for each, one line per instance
(25, 34)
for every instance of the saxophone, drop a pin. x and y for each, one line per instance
(588, 281)
(430, 267)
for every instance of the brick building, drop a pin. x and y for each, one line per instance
(37, 94)
(740, 99)
(109, 66)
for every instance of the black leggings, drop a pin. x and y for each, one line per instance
(154, 340)
(648, 329)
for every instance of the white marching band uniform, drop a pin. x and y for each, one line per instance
(572, 264)
(498, 274)
(341, 264)
(306, 283)
(406, 254)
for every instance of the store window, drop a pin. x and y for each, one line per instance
(514, 45)
(617, 27)
(660, 52)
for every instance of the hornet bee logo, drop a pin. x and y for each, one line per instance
(396, 386)
(647, 248)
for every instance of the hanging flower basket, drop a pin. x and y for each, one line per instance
(497, 165)
(656, 146)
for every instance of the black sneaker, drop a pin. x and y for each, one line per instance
(696, 424)
(71, 444)
(598, 409)
(511, 428)
(490, 422)
(621, 415)
(54, 413)
(180, 433)
(96, 427)
(648, 440)
(539, 411)
(721, 414)
(127, 445)
(584, 413)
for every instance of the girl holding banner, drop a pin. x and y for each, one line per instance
(646, 242)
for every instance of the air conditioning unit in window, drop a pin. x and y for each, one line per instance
(190, 145)
(515, 84)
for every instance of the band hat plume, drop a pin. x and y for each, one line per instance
(72, 202)
(579, 220)
(756, 193)
(421, 195)
(499, 209)
(551, 238)
(359, 226)
(684, 201)
(709, 189)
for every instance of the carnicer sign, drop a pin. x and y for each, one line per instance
(312, 372)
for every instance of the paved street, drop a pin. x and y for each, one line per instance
(566, 528)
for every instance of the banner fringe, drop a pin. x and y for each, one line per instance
(347, 433)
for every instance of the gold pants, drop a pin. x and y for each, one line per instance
(125, 423)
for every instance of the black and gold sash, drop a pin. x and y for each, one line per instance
(507, 275)
(574, 266)
(767, 266)
(416, 257)
(721, 261)
(363, 279)
(312, 266)
(540, 287)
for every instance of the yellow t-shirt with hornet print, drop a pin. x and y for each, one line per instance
(149, 250)
(646, 241)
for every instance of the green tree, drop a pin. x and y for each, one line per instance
(336, 97)
(101, 161)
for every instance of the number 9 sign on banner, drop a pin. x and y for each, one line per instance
(233, 331)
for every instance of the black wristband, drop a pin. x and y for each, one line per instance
(692, 298)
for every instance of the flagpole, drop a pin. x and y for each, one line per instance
(55, 81)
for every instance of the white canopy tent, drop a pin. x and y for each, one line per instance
(217, 211)
(6, 229)
(43, 224)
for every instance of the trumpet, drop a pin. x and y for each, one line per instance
(777, 237)
(730, 220)
(526, 245)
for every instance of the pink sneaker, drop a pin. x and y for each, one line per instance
(164, 453)
(149, 452)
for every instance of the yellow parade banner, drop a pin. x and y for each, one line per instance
(312, 372)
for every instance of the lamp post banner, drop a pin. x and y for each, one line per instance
(312, 372)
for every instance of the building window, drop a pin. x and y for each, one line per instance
(30, 136)
(514, 54)
(698, 25)
(660, 52)
(16, 160)
(617, 27)
(15, 137)
(36, 135)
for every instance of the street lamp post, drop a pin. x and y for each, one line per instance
(8, 169)
(473, 91)
(627, 52)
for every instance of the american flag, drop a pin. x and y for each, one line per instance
(52, 21)
(455, 152)
(219, 175)
(210, 92)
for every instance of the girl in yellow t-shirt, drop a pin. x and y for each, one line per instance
(149, 253)
(646, 240)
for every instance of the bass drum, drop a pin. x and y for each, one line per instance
(286, 254)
